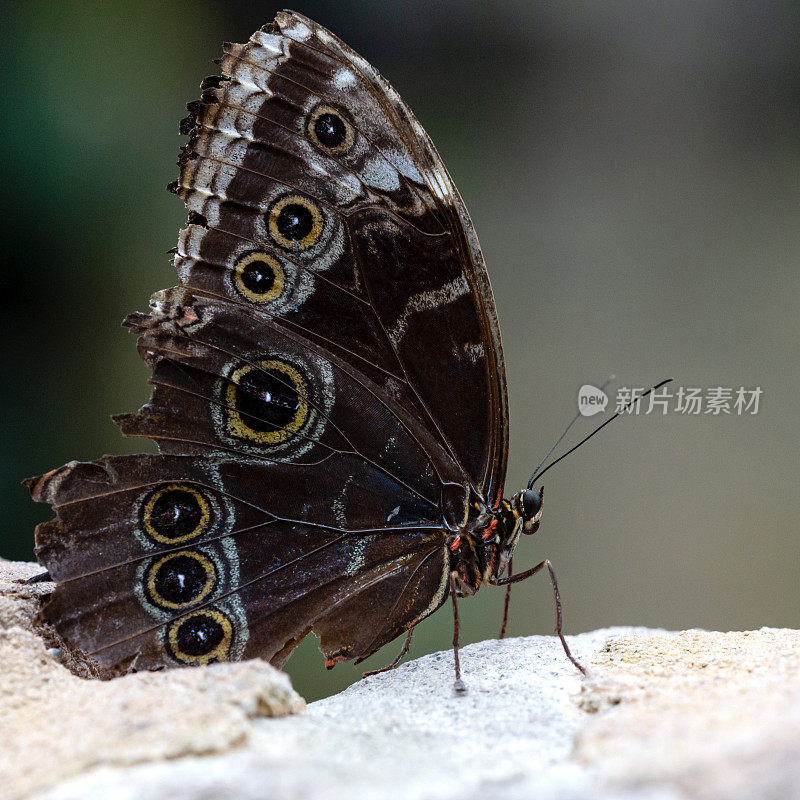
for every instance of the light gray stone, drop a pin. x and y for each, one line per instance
(55, 725)
(661, 716)
(403, 732)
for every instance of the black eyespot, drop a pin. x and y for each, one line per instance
(265, 401)
(330, 129)
(199, 635)
(295, 222)
(175, 513)
(531, 504)
(181, 579)
(257, 278)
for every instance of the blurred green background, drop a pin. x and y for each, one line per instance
(632, 170)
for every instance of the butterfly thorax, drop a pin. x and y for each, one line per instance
(481, 553)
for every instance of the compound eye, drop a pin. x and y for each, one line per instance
(531, 505)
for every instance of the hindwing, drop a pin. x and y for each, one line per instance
(171, 560)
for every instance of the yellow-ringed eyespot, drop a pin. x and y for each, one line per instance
(266, 402)
(259, 277)
(200, 637)
(180, 580)
(295, 222)
(176, 513)
(330, 130)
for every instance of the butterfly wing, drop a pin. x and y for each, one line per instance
(168, 560)
(392, 276)
(328, 378)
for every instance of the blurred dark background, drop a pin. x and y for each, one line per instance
(632, 169)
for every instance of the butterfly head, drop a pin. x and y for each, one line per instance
(520, 514)
(528, 504)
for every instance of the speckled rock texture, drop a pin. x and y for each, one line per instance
(55, 725)
(661, 716)
(715, 714)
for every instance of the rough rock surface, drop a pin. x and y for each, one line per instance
(661, 716)
(56, 725)
(716, 714)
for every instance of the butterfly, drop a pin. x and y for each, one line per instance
(329, 398)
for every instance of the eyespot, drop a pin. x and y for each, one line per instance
(329, 130)
(259, 277)
(285, 410)
(200, 637)
(175, 514)
(267, 402)
(180, 579)
(294, 222)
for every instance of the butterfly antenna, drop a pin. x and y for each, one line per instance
(538, 474)
(566, 431)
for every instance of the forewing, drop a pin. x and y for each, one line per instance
(391, 277)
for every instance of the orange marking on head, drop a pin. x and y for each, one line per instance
(455, 543)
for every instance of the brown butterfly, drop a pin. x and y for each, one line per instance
(330, 396)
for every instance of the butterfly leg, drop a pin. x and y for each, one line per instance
(506, 603)
(458, 684)
(403, 651)
(556, 596)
